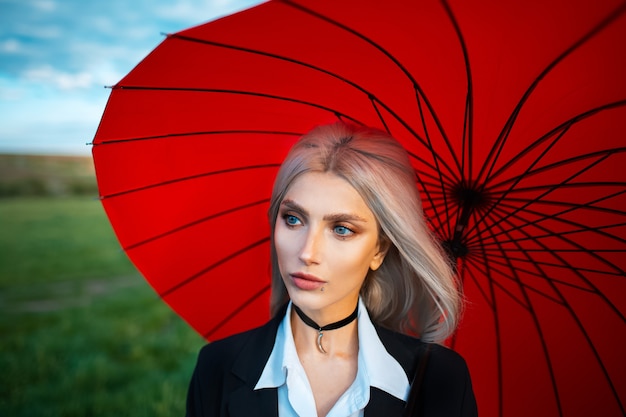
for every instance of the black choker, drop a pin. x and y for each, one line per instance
(332, 326)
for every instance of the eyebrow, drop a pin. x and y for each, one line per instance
(333, 217)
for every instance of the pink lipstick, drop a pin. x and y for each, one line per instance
(306, 282)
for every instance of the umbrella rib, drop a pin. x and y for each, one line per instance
(582, 327)
(535, 318)
(596, 354)
(553, 265)
(533, 262)
(380, 116)
(460, 276)
(504, 134)
(571, 206)
(197, 133)
(337, 113)
(580, 250)
(188, 178)
(222, 261)
(528, 169)
(236, 312)
(373, 99)
(496, 325)
(601, 155)
(549, 190)
(194, 223)
(505, 276)
(553, 187)
(481, 290)
(239, 92)
(440, 175)
(439, 209)
(426, 187)
(575, 271)
(506, 262)
(370, 96)
(559, 217)
(599, 229)
(593, 253)
(468, 121)
(393, 59)
(561, 130)
(491, 282)
(428, 174)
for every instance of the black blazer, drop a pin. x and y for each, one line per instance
(227, 371)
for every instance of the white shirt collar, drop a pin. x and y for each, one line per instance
(377, 367)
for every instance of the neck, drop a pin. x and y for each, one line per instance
(330, 326)
(339, 337)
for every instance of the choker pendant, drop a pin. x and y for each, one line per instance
(320, 329)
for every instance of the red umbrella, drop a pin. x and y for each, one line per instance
(514, 114)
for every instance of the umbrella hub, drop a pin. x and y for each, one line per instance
(469, 198)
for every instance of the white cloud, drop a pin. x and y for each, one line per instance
(58, 55)
(44, 32)
(65, 81)
(44, 5)
(10, 46)
(39, 120)
(200, 11)
(10, 92)
(105, 75)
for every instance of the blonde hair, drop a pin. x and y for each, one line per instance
(414, 290)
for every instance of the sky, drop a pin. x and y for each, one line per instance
(56, 57)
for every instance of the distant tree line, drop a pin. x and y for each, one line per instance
(46, 176)
(42, 187)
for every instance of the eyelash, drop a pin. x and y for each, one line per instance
(287, 217)
(350, 231)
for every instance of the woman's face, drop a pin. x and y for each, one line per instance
(326, 240)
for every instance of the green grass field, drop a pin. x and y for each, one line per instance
(82, 333)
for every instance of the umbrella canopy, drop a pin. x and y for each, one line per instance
(514, 114)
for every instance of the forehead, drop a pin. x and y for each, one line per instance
(327, 193)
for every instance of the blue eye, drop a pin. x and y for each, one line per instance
(291, 220)
(343, 231)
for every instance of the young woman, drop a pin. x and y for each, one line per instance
(354, 270)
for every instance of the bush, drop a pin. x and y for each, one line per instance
(25, 187)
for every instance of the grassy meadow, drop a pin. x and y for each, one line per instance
(82, 334)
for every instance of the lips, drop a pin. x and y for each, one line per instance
(307, 282)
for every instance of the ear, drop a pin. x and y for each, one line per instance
(383, 248)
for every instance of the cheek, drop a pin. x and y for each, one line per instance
(282, 242)
(355, 262)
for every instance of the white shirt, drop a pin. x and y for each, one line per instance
(376, 368)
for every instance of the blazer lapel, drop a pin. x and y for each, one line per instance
(245, 402)
(405, 350)
(247, 369)
(383, 404)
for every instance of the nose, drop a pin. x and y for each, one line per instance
(310, 251)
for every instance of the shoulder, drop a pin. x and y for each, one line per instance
(229, 345)
(225, 365)
(408, 349)
(447, 384)
(239, 350)
(445, 380)
(447, 360)
(225, 351)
